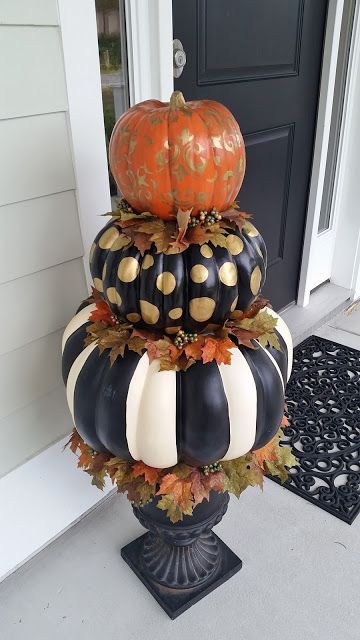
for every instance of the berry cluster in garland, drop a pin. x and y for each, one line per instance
(211, 468)
(206, 218)
(182, 338)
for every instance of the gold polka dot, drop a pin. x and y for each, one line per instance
(128, 269)
(250, 230)
(133, 317)
(148, 261)
(176, 313)
(103, 272)
(233, 306)
(91, 254)
(234, 244)
(206, 251)
(149, 312)
(166, 282)
(199, 273)
(98, 284)
(228, 274)
(113, 296)
(201, 309)
(255, 281)
(108, 238)
(171, 330)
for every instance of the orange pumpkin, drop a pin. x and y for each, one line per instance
(166, 156)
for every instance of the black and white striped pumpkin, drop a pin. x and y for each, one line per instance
(208, 413)
(200, 286)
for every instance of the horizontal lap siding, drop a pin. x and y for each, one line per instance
(41, 269)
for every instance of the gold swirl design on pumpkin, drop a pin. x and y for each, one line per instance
(199, 273)
(166, 282)
(128, 269)
(201, 309)
(149, 312)
(255, 281)
(228, 274)
(191, 151)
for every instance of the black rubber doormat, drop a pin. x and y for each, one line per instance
(323, 402)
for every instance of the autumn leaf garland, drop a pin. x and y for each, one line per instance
(115, 334)
(172, 236)
(181, 488)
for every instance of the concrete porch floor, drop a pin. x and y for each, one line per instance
(300, 576)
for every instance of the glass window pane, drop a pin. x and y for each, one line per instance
(336, 116)
(110, 17)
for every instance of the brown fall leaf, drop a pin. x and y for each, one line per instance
(217, 350)
(99, 461)
(151, 474)
(194, 349)
(244, 336)
(198, 488)
(179, 488)
(215, 481)
(142, 241)
(137, 344)
(74, 442)
(85, 458)
(266, 453)
(102, 313)
(284, 421)
(158, 348)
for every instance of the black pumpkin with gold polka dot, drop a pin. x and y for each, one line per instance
(193, 289)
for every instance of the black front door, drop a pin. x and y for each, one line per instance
(262, 59)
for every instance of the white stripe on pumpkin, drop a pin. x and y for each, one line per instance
(74, 374)
(77, 321)
(151, 415)
(240, 390)
(283, 329)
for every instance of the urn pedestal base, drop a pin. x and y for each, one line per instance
(183, 562)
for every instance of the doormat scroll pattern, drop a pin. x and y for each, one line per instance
(323, 402)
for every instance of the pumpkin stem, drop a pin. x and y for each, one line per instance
(177, 100)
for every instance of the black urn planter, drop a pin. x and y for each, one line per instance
(183, 562)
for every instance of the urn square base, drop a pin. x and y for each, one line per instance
(176, 601)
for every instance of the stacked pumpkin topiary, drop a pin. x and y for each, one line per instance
(176, 358)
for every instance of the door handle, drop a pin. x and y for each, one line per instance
(179, 58)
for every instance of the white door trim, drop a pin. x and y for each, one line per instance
(149, 42)
(321, 148)
(85, 112)
(346, 261)
(337, 250)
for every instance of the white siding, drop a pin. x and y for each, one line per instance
(33, 12)
(31, 72)
(35, 157)
(55, 234)
(41, 269)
